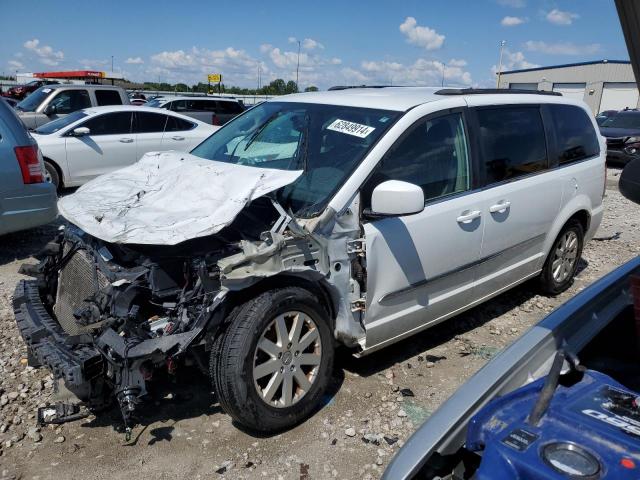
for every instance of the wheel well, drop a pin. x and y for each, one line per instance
(583, 217)
(58, 169)
(283, 280)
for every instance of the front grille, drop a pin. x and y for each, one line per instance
(77, 280)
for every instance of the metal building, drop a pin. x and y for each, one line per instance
(602, 84)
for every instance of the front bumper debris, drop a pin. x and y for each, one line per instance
(49, 345)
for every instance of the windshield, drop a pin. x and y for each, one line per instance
(33, 101)
(623, 120)
(326, 141)
(60, 123)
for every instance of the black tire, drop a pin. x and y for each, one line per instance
(52, 174)
(234, 351)
(550, 284)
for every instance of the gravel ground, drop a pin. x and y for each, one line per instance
(376, 403)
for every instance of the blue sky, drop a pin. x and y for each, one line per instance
(343, 42)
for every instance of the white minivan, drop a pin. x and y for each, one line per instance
(357, 216)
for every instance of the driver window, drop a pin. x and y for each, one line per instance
(68, 101)
(433, 154)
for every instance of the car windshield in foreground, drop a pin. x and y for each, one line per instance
(325, 141)
(34, 100)
(60, 123)
(623, 120)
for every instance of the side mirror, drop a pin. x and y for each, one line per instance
(50, 110)
(629, 184)
(80, 132)
(397, 198)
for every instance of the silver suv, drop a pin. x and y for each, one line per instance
(55, 101)
(355, 217)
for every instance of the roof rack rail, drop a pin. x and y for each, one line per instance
(344, 87)
(485, 91)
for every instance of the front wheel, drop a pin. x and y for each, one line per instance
(272, 365)
(562, 263)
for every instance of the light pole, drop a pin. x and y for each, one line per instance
(502, 45)
(444, 67)
(111, 63)
(259, 74)
(298, 66)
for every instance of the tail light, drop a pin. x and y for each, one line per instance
(30, 165)
(215, 120)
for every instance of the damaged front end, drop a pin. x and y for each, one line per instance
(103, 317)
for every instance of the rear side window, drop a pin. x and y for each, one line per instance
(147, 122)
(513, 142)
(575, 136)
(175, 124)
(232, 108)
(108, 97)
(116, 123)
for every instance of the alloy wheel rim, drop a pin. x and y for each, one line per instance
(287, 359)
(565, 256)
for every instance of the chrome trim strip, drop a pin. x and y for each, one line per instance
(459, 269)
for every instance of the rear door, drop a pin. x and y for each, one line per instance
(65, 102)
(149, 129)
(521, 195)
(181, 135)
(110, 145)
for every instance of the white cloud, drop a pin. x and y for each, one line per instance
(45, 53)
(91, 64)
(562, 48)
(310, 44)
(513, 3)
(559, 17)
(292, 40)
(134, 60)
(513, 61)
(512, 21)
(422, 72)
(421, 36)
(15, 65)
(236, 66)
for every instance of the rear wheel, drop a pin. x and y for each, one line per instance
(561, 264)
(51, 174)
(272, 365)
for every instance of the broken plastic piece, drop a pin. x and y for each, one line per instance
(60, 413)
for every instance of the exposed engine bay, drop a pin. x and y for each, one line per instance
(115, 313)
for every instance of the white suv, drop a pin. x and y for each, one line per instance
(360, 216)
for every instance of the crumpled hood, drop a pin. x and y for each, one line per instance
(169, 197)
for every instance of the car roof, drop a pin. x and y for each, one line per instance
(138, 108)
(404, 98)
(57, 86)
(168, 98)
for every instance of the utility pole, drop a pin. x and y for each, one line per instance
(444, 66)
(502, 45)
(111, 63)
(298, 66)
(259, 73)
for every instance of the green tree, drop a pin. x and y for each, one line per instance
(311, 88)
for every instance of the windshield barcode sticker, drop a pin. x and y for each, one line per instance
(351, 128)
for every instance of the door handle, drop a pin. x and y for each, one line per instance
(126, 140)
(468, 216)
(500, 207)
(176, 137)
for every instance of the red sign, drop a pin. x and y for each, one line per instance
(71, 74)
